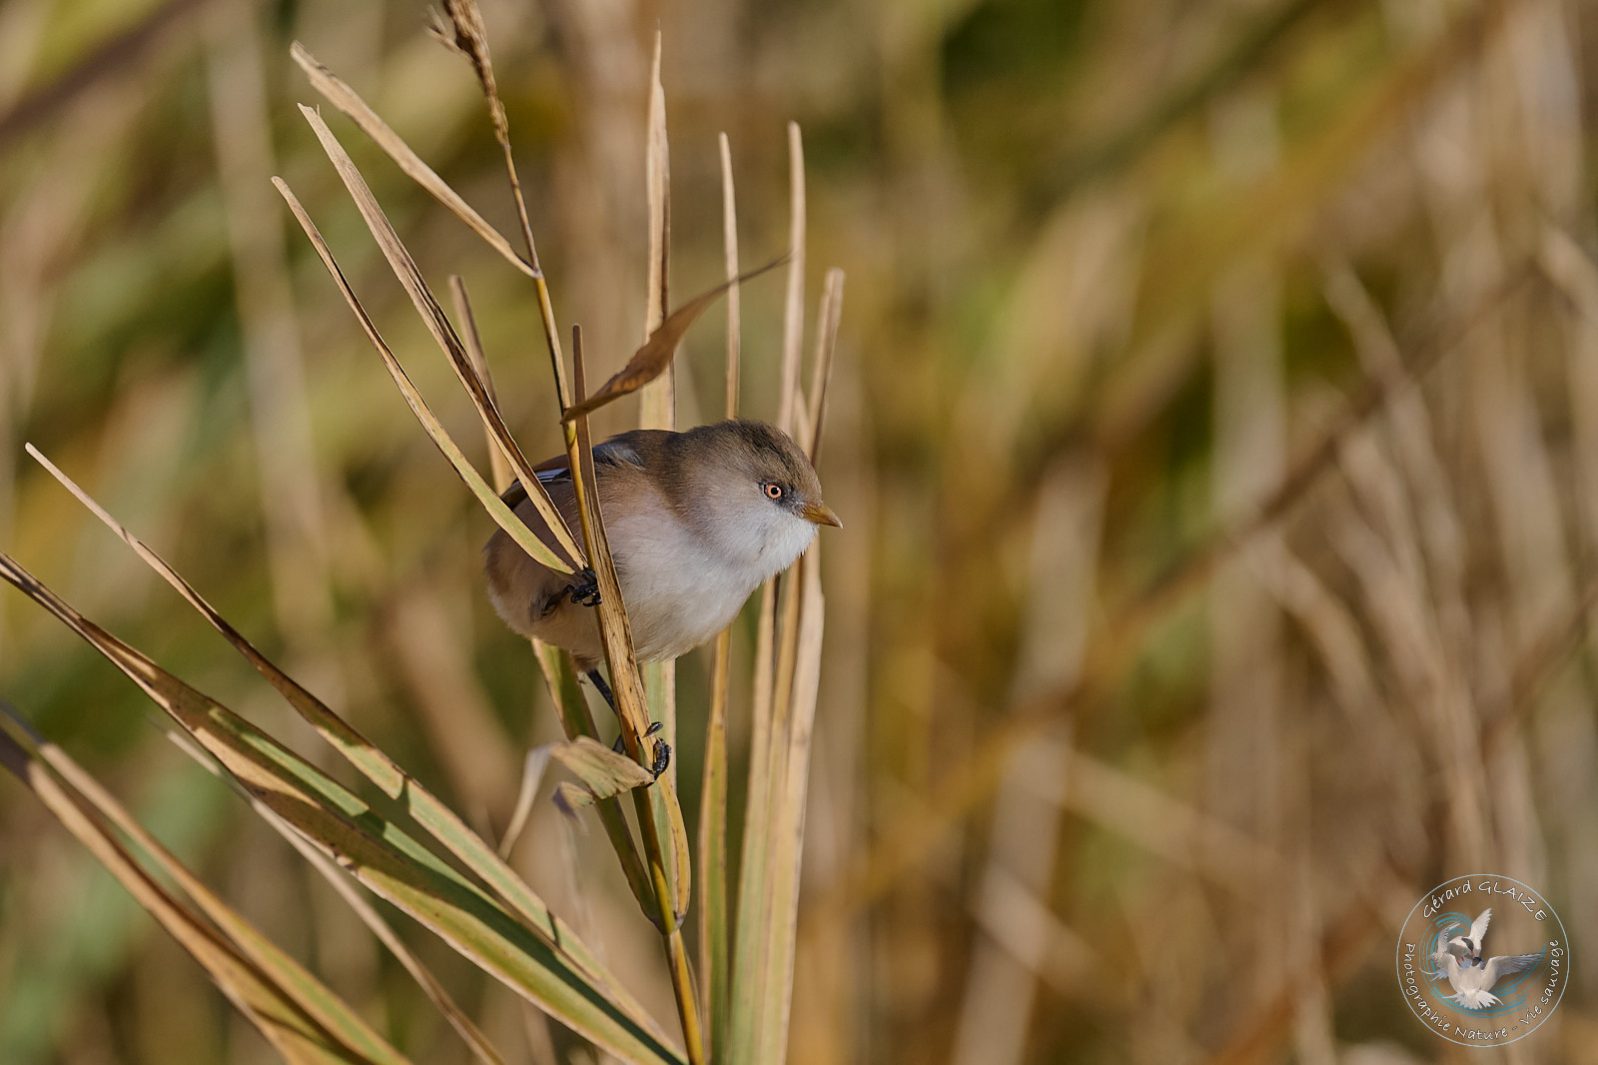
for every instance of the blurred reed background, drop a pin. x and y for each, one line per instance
(1215, 424)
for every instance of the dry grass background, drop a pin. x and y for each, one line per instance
(1215, 422)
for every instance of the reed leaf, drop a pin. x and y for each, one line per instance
(438, 325)
(715, 916)
(545, 963)
(418, 803)
(577, 722)
(652, 359)
(503, 516)
(303, 1020)
(670, 893)
(601, 773)
(349, 101)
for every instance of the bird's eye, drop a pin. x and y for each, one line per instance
(772, 490)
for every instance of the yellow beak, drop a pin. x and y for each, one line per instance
(821, 514)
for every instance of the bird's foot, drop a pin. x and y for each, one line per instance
(662, 759)
(662, 756)
(584, 590)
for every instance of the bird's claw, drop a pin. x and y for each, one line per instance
(662, 756)
(584, 591)
(662, 759)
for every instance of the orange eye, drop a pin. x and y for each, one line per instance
(773, 491)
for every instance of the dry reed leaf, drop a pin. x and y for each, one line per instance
(787, 679)
(457, 1017)
(462, 30)
(664, 813)
(729, 240)
(546, 962)
(601, 773)
(753, 979)
(348, 101)
(754, 898)
(503, 516)
(438, 820)
(302, 1019)
(789, 821)
(668, 880)
(386, 775)
(614, 627)
(344, 886)
(828, 317)
(682, 864)
(658, 398)
(651, 360)
(533, 767)
(715, 917)
(756, 979)
(657, 409)
(498, 465)
(438, 325)
(576, 721)
(793, 319)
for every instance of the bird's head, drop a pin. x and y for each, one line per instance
(753, 492)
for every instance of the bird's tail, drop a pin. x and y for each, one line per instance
(1476, 999)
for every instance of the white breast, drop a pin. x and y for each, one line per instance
(680, 587)
(678, 594)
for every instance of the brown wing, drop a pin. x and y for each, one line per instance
(635, 448)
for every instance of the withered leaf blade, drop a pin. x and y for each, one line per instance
(600, 772)
(651, 360)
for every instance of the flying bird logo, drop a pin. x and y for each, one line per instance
(1468, 972)
(1461, 989)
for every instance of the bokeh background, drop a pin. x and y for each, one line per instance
(1215, 426)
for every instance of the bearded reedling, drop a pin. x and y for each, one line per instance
(696, 521)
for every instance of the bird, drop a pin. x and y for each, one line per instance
(1467, 948)
(696, 521)
(1472, 977)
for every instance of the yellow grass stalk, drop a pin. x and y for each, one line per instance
(793, 322)
(670, 893)
(715, 918)
(787, 676)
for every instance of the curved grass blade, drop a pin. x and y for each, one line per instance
(651, 360)
(348, 101)
(503, 516)
(298, 1015)
(547, 964)
(788, 819)
(669, 892)
(576, 721)
(438, 324)
(418, 804)
(786, 688)
(601, 773)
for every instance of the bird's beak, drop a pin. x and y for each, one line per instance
(820, 514)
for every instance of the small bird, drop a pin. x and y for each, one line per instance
(1467, 948)
(696, 520)
(1471, 977)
